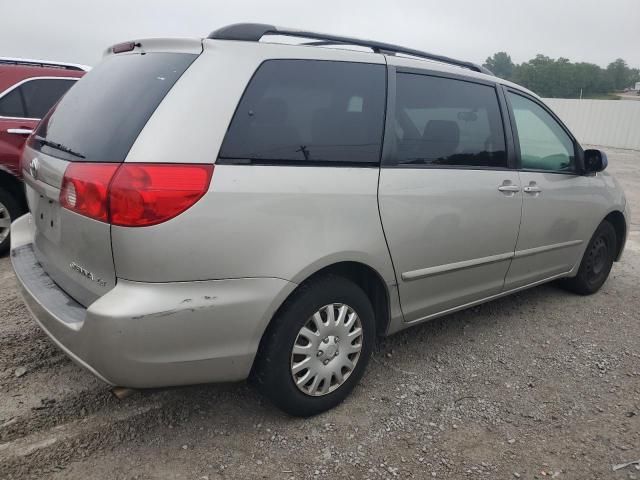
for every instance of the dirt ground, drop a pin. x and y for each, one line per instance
(543, 384)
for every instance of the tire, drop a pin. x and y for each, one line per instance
(596, 263)
(9, 211)
(327, 353)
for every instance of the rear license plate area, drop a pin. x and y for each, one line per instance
(47, 218)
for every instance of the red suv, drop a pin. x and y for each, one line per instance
(28, 89)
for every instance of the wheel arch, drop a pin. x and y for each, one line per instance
(371, 282)
(617, 219)
(363, 275)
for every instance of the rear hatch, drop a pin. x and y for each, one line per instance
(90, 132)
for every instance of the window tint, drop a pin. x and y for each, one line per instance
(40, 95)
(441, 121)
(11, 104)
(544, 145)
(103, 114)
(302, 111)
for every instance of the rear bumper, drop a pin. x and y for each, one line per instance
(152, 334)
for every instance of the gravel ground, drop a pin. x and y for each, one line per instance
(540, 384)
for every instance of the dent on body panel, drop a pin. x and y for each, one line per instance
(586, 199)
(603, 196)
(224, 318)
(616, 192)
(188, 305)
(439, 207)
(435, 227)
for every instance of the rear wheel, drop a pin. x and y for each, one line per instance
(9, 211)
(596, 262)
(318, 347)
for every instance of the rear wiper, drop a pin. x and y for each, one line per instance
(57, 146)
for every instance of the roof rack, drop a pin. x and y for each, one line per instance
(43, 63)
(253, 32)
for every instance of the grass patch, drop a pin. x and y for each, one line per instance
(602, 96)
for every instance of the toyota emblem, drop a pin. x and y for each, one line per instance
(33, 167)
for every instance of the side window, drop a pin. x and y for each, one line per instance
(301, 111)
(11, 104)
(42, 94)
(544, 145)
(441, 121)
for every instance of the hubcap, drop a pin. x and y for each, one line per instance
(5, 222)
(326, 350)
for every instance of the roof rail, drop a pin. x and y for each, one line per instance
(43, 63)
(253, 32)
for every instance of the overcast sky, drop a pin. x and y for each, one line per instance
(582, 30)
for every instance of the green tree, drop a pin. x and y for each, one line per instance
(634, 76)
(620, 74)
(561, 78)
(592, 79)
(501, 65)
(538, 74)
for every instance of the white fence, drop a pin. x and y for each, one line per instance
(610, 123)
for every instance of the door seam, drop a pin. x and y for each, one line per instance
(515, 245)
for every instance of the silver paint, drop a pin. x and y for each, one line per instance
(188, 301)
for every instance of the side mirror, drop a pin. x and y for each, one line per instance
(595, 161)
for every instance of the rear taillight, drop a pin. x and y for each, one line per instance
(148, 194)
(133, 194)
(85, 188)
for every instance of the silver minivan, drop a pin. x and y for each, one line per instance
(217, 209)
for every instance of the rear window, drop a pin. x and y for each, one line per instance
(101, 116)
(309, 111)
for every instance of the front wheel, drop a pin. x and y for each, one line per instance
(318, 347)
(596, 262)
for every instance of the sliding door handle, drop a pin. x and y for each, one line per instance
(509, 188)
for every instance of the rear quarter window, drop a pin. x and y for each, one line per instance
(12, 105)
(41, 94)
(309, 112)
(103, 114)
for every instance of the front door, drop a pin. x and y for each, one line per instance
(556, 197)
(449, 203)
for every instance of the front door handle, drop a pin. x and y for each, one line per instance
(20, 131)
(532, 189)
